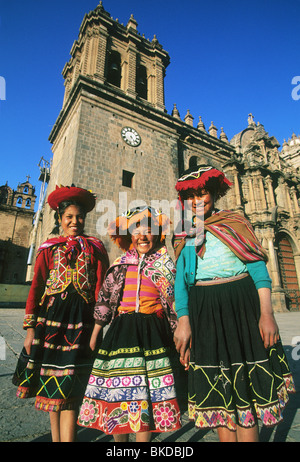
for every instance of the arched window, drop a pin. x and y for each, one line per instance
(28, 203)
(3, 196)
(141, 82)
(19, 201)
(114, 69)
(288, 272)
(25, 190)
(193, 161)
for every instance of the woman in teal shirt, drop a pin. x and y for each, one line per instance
(227, 335)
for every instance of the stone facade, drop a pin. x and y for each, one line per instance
(291, 151)
(16, 214)
(267, 192)
(115, 80)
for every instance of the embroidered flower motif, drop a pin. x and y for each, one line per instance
(137, 380)
(133, 407)
(126, 381)
(168, 380)
(88, 413)
(116, 381)
(99, 381)
(156, 382)
(144, 405)
(170, 291)
(165, 416)
(124, 406)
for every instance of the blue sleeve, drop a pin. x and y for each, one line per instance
(181, 288)
(259, 273)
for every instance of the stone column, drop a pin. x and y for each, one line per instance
(131, 71)
(86, 53)
(270, 191)
(262, 192)
(237, 192)
(101, 54)
(289, 201)
(251, 194)
(159, 85)
(295, 200)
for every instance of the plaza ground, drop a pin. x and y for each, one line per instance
(21, 422)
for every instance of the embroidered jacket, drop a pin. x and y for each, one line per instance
(158, 267)
(57, 266)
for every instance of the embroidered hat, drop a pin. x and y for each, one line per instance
(120, 230)
(199, 177)
(72, 193)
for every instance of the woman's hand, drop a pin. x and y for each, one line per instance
(267, 324)
(94, 337)
(268, 330)
(186, 360)
(183, 338)
(29, 339)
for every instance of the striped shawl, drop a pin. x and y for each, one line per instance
(232, 229)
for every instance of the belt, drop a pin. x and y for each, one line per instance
(214, 281)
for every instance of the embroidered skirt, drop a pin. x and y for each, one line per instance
(133, 383)
(233, 379)
(60, 362)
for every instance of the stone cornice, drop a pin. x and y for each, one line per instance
(187, 135)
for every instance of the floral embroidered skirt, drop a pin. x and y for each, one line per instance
(60, 362)
(133, 385)
(233, 379)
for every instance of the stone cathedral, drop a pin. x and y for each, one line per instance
(114, 136)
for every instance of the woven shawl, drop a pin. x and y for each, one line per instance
(232, 229)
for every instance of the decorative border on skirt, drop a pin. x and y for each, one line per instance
(246, 417)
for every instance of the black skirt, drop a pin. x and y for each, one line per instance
(58, 368)
(233, 379)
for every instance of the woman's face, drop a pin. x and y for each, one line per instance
(200, 201)
(142, 239)
(72, 221)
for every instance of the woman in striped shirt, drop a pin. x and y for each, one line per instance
(133, 387)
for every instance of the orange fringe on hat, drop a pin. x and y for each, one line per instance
(119, 230)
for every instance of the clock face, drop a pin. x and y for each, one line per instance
(131, 136)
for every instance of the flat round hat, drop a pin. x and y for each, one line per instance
(198, 177)
(72, 193)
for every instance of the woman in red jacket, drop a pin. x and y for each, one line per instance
(56, 360)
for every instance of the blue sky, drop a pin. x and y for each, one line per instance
(227, 59)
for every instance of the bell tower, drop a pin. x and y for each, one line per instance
(113, 134)
(118, 56)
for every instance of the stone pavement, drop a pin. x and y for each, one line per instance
(20, 422)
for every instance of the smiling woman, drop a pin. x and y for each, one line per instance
(142, 239)
(71, 219)
(55, 363)
(133, 387)
(225, 316)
